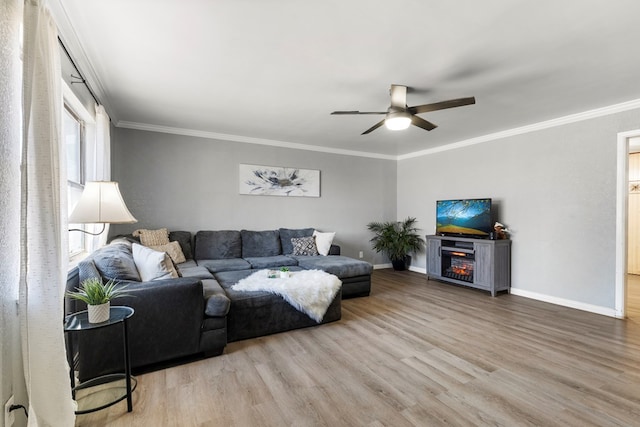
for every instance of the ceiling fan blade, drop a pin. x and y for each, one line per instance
(422, 123)
(374, 127)
(358, 112)
(442, 105)
(398, 96)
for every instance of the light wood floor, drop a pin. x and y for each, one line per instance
(633, 296)
(414, 353)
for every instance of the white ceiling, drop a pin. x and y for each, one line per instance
(273, 70)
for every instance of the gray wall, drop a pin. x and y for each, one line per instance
(554, 188)
(191, 183)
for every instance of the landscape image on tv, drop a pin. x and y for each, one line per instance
(464, 217)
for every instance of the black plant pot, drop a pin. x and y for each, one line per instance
(401, 264)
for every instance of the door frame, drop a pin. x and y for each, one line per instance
(622, 211)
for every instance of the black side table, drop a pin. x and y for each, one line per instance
(105, 397)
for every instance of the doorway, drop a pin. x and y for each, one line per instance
(627, 287)
(633, 230)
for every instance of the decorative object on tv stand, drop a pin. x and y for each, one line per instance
(98, 296)
(501, 232)
(279, 181)
(396, 239)
(100, 203)
(284, 272)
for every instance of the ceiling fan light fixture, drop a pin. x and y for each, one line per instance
(398, 120)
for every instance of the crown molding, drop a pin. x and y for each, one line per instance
(248, 140)
(572, 118)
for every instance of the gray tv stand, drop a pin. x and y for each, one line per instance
(478, 263)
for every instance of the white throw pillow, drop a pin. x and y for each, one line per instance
(323, 241)
(152, 265)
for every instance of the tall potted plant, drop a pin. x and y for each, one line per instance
(396, 239)
(97, 296)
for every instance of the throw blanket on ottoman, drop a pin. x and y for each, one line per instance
(309, 291)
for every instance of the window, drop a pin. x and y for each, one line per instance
(74, 140)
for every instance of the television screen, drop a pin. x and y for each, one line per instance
(468, 217)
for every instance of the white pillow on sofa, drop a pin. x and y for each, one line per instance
(323, 241)
(152, 265)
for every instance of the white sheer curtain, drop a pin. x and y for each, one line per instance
(10, 92)
(100, 168)
(43, 245)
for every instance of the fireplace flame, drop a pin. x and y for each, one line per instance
(464, 271)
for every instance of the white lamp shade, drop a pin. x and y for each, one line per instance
(101, 203)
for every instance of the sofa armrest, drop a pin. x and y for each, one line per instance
(166, 325)
(217, 302)
(334, 250)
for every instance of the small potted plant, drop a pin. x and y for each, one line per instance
(97, 296)
(396, 239)
(284, 272)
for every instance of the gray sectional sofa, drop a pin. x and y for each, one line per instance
(196, 314)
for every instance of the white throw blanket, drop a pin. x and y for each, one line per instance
(309, 291)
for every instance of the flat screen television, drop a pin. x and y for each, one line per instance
(465, 217)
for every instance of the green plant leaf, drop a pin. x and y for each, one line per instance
(396, 239)
(93, 292)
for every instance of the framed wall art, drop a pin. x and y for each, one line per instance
(279, 181)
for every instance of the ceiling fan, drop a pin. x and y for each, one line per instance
(399, 116)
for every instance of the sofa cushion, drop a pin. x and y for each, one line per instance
(271, 261)
(228, 264)
(152, 265)
(115, 261)
(287, 233)
(323, 241)
(304, 246)
(339, 265)
(191, 269)
(260, 243)
(218, 244)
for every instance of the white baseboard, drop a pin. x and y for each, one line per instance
(597, 309)
(605, 311)
(411, 268)
(381, 266)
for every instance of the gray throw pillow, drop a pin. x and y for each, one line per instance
(115, 261)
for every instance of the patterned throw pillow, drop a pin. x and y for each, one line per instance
(304, 246)
(153, 237)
